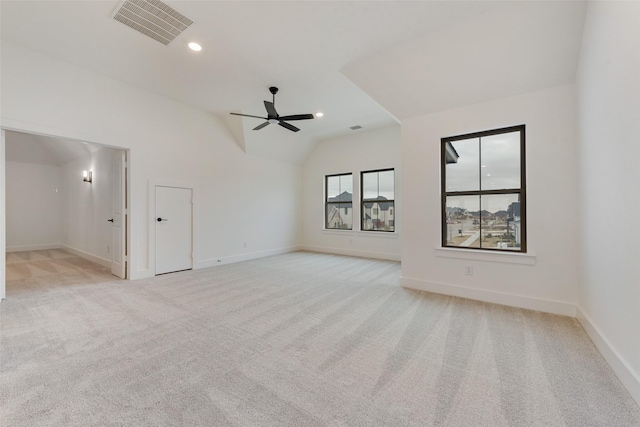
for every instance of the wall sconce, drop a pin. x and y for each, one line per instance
(87, 176)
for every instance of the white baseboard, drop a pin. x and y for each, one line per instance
(243, 257)
(87, 256)
(31, 248)
(629, 378)
(353, 252)
(141, 274)
(520, 301)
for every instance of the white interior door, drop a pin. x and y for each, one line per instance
(174, 229)
(118, 216)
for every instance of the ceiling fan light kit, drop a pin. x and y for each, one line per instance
(273, 117)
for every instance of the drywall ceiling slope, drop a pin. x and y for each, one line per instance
(299, 47)
(43, 150)
(516, 48)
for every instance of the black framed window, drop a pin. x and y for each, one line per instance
(338, 210)
(377, 192)
(484, 190)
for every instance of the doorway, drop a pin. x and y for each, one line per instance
(75, 208)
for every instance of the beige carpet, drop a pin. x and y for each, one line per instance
(300, 339)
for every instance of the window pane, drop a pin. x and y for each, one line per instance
(333, 186)
(339, 203)
(370, 185)
(378, 216)
(341, 185)
(500, 156)
(462, 221)
(461, 166)
(339, 216)
(386, 184)
(501, 221)
(378, 184)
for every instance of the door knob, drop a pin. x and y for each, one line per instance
(162, 219)
(110, 220)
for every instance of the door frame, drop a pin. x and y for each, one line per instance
(3, 220)
(119, 175)
(151, 191)
(30, 128)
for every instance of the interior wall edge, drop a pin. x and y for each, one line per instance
(518, 301)
(629, 378)
(90, 257)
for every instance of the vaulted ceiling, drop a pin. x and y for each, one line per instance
(366, 63)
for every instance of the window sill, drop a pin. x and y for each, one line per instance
(489, 256)
(382, 234)
(337, 231)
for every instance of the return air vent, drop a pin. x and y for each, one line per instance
(152, 18)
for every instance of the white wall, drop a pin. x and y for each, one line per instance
(609, 129)
(362, 151)
(547, 278)
(86, 207)
(33, 201)
(239, 195)
(50, 206)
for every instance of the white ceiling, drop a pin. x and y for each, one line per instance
(519, 48)
(44, 150)
(411, 56)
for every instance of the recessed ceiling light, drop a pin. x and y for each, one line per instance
(319, 114)
(195, 47)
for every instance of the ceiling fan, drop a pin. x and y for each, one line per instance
(273, 117)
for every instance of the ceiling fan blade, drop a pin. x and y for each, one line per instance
(261, 126)
(247, 115)
(271, 109)
(288, 126)
(297, 117)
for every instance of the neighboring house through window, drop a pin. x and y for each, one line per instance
(377, 200)
(484, 190)
(339, 202)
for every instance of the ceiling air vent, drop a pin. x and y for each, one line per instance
(356, 127)
(152, 18)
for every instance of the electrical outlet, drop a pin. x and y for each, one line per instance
(245, 244)
(108, 249)
(468, 270)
